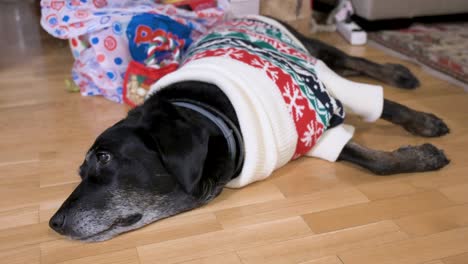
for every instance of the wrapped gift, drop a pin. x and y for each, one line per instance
(98, 34)
(138, 80)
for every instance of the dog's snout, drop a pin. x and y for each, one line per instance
(57, 222)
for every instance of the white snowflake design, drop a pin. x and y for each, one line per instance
(311, 134)
(267, 68)
(229, 53)
(294, 94)
(283, 48)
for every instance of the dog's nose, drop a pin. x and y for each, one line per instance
(57, 222)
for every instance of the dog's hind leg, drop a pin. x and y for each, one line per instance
(407, 159)
(393, 74)
(418, 123)
(347, 72)
(367, 101)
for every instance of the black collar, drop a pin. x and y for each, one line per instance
(230, 131)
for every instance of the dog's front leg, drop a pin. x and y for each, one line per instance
(416, 122)
(407, 159)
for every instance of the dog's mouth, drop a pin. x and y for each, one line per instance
(128, 220)
(119, 222)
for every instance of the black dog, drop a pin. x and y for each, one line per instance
(166, 157)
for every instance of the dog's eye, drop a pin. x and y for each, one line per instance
(103, 157)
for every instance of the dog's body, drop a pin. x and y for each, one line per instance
(175, 153)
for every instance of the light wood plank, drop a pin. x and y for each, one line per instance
(306, 176)
(374, 211)
(457, 259)
(326, 260)
(19, 185)
(228, 258)
(21, 255)
(387, 189)
(25, 235)
(450, 176)
(223, 241)
(434, 262)
(434, 221)
(129, 256)
(415, 250)
(264, 212)
(19, 217)
(322, 245)
(456, 193)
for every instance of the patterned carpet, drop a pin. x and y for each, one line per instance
(442, 47)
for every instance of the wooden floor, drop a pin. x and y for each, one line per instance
(310, 211)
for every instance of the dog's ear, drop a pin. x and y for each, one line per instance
(182, 144)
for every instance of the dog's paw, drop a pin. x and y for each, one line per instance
(425, 157)
(426, 125)
(400, 76)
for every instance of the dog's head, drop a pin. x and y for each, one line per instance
(146, 167)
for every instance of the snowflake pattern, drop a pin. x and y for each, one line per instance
(308, 136)
(311, 135)
(267, 68)
(283, 48)
(293, 95)
(229, 53)
(291, 68)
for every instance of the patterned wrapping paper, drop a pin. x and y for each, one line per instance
(97, 30)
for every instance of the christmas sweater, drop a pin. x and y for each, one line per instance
(283, 108)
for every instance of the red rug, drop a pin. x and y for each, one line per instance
(442, 47)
